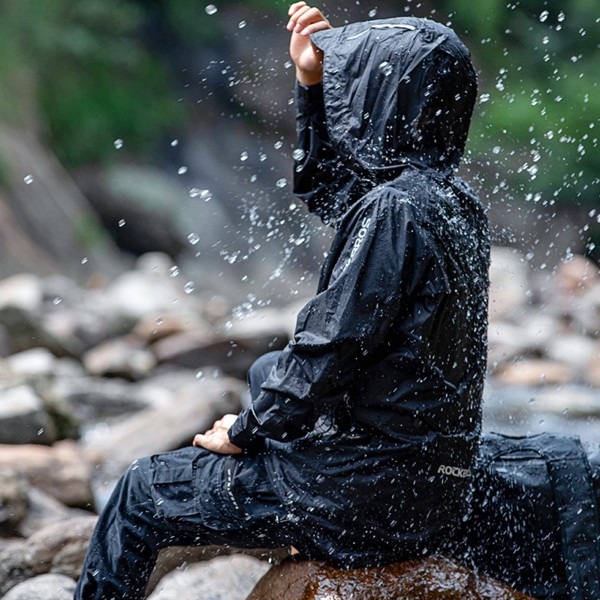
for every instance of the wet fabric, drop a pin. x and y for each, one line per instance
(372, 414)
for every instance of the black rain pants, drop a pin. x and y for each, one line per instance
(189, 497)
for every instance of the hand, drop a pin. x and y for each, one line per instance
(308, 59)
(216, 439)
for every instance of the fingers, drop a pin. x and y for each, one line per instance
(303, 16)
(294, 7)
(216, 441)
(315, 27)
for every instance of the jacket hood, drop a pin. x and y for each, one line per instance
(396, 91)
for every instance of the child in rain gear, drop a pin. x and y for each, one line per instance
(359, 442)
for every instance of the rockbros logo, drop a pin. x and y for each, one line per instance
(360, 238)
(454, 471)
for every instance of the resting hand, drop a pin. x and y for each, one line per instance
(216, 438)
(308, 59)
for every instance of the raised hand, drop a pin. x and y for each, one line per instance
(308, 59)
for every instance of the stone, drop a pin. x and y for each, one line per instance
(592, 374)
(59, 548)
(43, 587)
(223, 578)
(23, 291)
(36, 361)
(59, 470)
(124, 357)
(23, 418)
(234, 355)
(14, 500)
(164, 428)
(576, 275)
(427, 579)
(153, 327)
(573, 350)
(91, 399)
(508, 283)
(534, 372)
(43, 510)
(26, 331)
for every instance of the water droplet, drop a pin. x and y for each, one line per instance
(193, 238)
(561, 17)
(122, 223)
(281, 183)
(373, 13)
(182, 170)
(484, 98)
(28, 179)
(386, 68)
(244, 156)
(173, 271)
(241, 24)
(118, 143)
(188, 288)
(56, 301)
(174, 143)
(298, 154)
(84, 260)
(211, 9)
(543, 15)
(278, 145)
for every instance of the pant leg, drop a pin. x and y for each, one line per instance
(179, 498)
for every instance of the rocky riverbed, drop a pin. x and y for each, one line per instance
(93, 377)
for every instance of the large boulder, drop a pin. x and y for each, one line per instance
(58, 548)
(223, 578)
(59, 470)
(43, 587)
(428, 579)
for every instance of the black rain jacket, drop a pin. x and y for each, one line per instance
(371, 417)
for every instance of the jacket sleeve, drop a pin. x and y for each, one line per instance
(321, 180)
(337, 329)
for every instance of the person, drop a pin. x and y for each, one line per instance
(358, 444)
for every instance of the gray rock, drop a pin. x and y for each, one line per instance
(43, 587)
(58, 548)
(223, 578)
(123, 357)
(91, 399)
(508, 283)
(23, 418)
(163, 428)
(60, 470)
(573, 350)
(14, 500)
(22, 291)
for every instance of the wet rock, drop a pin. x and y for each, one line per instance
(154, 327)
(593, 371)
(233, 355)
(27, 331)
(573, 350)
(567, 401)
(163, 428)
(223, 578)
(124, 357)
(60, 470)
(43, 587)
(91, 399)
(534, 372)
(14, 500)
(508, 283)
(575, 276)
(23, 291)
(37, 361)
(429, 578)
(59, 548)
(23, 418)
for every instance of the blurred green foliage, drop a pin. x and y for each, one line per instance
(78, 70)
(83, 72)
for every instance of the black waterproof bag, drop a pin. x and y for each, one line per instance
(534, 518)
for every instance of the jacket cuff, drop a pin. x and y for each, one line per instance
(309, 100)
(243, 433)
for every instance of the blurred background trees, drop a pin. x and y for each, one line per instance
(168, 125)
